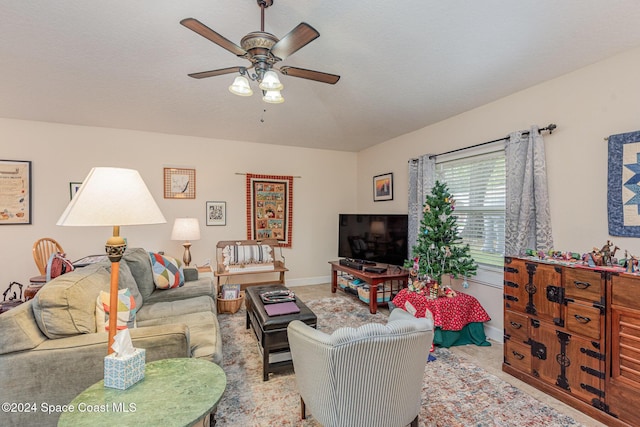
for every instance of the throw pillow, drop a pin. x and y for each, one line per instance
(126, 310)
(167, 271)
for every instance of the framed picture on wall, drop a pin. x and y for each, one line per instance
(179, 183)
(216, 213)
(15, 196)
(383, 187)
(73, 188)
(270, 208)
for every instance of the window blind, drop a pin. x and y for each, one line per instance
(478, 187)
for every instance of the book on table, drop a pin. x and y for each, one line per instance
(281, 308)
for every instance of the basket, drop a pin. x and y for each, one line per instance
(230, 305)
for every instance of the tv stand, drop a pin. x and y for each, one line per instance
(373, 279)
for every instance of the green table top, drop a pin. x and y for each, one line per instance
(173, 392)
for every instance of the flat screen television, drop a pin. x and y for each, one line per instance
(378, 238)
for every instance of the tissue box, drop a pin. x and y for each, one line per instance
(123, 372)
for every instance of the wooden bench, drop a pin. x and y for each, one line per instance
(248, 268)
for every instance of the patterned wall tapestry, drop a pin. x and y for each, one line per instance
(270, 208)
(624, 184)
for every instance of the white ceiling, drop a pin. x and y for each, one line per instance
(404, 64)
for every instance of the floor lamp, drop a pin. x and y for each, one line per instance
(112, 197)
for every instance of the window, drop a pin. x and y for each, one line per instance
(478, 186)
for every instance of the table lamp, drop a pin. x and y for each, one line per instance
(112, 197)
(186, 229)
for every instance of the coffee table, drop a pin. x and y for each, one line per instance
(271, 331)
(174, 392)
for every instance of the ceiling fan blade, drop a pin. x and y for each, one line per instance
(209, 34)
(213, 73)
(297, 38)
(310, 74)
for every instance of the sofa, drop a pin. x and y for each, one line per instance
(51, 349)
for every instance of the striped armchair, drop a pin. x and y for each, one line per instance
(369, 376)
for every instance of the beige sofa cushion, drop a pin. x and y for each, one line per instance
(19, 330)
(66, 305)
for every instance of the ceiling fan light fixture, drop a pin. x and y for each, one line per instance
(270, 81)
(273, 97)
(241, 86)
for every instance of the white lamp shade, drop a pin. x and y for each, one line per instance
(270, 81)
(186, 229)
(241, 86)
(113, 197)
(273, 97)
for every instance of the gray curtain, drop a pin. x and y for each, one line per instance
(422, 178)
(528, 218)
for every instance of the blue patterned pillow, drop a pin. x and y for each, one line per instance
(167, 271)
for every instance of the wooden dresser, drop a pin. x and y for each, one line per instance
(574, 333)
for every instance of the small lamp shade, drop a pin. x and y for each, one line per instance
(241, 86)
(186, 229)
(270, 81)
(273, 97)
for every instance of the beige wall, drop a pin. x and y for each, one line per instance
(587, 105)
(64, 153)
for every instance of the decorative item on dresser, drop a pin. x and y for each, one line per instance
(573, 331)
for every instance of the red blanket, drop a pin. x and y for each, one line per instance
(450, 314)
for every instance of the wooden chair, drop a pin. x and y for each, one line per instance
(42, 250)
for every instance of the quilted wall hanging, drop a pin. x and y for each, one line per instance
(624, 184)
(270, 208)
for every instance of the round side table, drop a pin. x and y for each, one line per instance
(173, 392)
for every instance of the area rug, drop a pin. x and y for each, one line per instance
(456, 392)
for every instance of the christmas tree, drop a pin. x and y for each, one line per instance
(439, 249)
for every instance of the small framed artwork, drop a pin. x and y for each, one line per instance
(383, 187)
(73, 188)
(15, 193)
(216, 213)
(179, 183)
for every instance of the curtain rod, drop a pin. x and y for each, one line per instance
(550, 128)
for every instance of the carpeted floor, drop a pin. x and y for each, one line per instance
(456, 392)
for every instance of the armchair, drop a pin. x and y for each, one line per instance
(369, 376)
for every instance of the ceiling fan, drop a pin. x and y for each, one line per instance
(263, 50)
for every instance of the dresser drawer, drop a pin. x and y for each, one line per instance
(518, 356)
(515, 326)
(583, 320)
(625, 291)
(583, 284)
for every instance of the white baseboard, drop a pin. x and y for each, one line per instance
(320, 280)
(493, 333)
